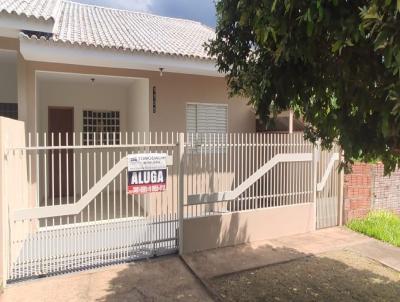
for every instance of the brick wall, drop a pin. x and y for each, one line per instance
(357, 191)
(386, 189)
(367, 188)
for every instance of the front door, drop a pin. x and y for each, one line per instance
(61, 127)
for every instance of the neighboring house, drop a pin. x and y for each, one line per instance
(66, 66)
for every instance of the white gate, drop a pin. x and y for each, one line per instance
(81, 214)
(329, 186)
(240, 172)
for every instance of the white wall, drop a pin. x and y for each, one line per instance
(81, 96)
(130, 99)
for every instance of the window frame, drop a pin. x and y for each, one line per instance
(209, 104)
(196, 147)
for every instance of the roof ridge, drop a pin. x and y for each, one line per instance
(137, 12)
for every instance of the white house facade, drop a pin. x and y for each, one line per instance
(61, 59)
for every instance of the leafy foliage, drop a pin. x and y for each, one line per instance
(336, 63)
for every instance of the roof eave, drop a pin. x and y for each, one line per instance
(51, 51)
(12, 24)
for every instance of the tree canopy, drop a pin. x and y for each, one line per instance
(335, 63)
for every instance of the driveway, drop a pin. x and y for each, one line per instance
(162, 279)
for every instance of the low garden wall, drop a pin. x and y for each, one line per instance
(229, 229)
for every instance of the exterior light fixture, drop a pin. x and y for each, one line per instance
(154, 99)
(161, 71)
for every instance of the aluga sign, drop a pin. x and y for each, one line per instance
(147, 173)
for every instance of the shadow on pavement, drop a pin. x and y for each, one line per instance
(333, 276)
(163, 279)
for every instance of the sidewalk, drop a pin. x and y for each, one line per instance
(162, 279)
(328, 265)
(225, 261)
(336, 254)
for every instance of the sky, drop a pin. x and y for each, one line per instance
(198, 10)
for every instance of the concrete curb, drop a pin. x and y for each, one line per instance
(210, 291)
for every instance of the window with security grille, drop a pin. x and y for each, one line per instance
(101, 127)
(9, 110)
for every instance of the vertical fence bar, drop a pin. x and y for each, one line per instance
(181, 184)
(314, 183)
(341, 189)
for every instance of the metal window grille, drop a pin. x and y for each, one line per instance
(101, 127)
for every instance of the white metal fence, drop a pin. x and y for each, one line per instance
(82, 216)
(237, 172)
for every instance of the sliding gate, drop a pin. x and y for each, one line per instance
(81, 215)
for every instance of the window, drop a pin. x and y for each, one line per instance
(9, 110)
(101, 127)
(206, 118)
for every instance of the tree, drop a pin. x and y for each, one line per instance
(336, 63)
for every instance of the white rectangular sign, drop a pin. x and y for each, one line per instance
(147, 173)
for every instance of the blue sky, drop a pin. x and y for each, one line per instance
(198, 10)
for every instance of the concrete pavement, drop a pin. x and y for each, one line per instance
(229, 260)
(169, 279)
(379, 251)
(162, 279)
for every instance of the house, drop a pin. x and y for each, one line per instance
(67, 66)
(92, 86)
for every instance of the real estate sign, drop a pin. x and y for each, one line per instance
(147, 173)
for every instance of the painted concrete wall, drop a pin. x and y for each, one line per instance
(8, 82)
(138, 113)
(13, 188)
(237, 228)
(81, 96)
(9, 43)
(175, 90)
(21, 88)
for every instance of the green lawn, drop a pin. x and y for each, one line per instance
(381, 225)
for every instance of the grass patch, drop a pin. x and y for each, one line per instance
(381, 225)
